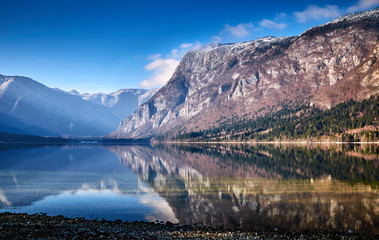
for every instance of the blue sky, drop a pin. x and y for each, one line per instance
(100, 45)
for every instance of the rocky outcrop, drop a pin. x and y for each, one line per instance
(323, 66)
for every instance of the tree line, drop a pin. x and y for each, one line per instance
(297, 122)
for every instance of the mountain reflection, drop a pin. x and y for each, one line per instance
(257, 187)
(263, 186)
(75, 181)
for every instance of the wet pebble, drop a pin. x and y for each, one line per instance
(23, 226)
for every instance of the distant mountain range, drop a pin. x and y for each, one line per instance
(123, 102)
(29, 107)
(324, 66)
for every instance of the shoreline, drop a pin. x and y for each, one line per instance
(40, 226)
(270, 142)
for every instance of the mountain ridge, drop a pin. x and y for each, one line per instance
(31, 108)
(323, 66)
(122, 102)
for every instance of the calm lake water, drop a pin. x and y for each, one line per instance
(258, 187)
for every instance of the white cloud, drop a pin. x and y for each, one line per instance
(363, 5)
(196, 46)
(175, 53)
(280, 16)
(164, 67)
(271, 24)
(216, 39)
(163, 70)
(186, 45)
(240, 30)
(314, 12)
(154, 56)
(183, 48)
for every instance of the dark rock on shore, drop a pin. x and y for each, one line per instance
(40, 226)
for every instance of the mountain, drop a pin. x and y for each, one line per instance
(29, 107)
(123, 102)
(324, 66)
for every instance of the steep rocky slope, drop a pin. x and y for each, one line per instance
(323, 66)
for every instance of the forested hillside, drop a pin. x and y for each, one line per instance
(349, 121)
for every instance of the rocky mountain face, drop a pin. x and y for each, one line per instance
(28, 107)
(323, 66)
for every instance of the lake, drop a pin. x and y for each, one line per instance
(257, 187)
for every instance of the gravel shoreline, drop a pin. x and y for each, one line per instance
(40, 226)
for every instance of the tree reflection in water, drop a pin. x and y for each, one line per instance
(263, 186)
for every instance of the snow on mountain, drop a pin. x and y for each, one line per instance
(352, 17)
(123, 102)
(324, 66)
(29, 107)
(349, 19)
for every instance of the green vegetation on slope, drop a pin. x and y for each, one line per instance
(350, 121)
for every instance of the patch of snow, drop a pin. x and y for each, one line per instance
(6, 83)
(220, 90)
(147, 95)
(352, 17)
(235, 75)
(275, 86)
(16, 104)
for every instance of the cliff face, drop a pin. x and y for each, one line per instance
(323, 66)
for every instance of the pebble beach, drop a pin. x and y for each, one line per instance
(40, 226)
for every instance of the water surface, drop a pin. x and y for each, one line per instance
(258, 187)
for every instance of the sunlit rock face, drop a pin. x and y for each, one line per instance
(259, 188)
(324, 66)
